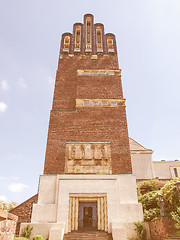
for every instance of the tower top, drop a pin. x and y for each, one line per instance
(88, 38)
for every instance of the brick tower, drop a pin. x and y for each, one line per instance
(87, 180)
(88, 127)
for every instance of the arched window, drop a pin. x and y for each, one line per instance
(66, 43)
(99, 39)
(88, 33)
(77, 38)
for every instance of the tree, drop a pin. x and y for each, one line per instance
(7, 206)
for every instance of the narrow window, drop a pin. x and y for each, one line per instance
(113, 103)
(78, 37)
(66, 42)
(110, 45)
(99, 38)
(175, 172)
(95, 103)
(86, 103)
(88, 33)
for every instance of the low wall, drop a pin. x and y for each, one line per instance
(161, 227)
(7, 229)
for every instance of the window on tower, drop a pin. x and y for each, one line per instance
(113, 104)
(95, 103)
(77, 39)
(88, 34)
(86, 103)
(104, 103)
(66, 44)
(110, 45)
(99, 39)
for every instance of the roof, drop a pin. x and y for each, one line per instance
(135, 146)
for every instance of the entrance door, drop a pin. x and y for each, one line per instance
(87, 217)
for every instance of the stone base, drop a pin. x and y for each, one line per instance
(60, 196)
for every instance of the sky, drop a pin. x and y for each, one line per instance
(148, 41)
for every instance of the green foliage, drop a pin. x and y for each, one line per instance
(170, 196)
(141, 231)
(151, 214)
(139, 193)
(150, 185)
(176, 218)
(148, 195)
(20, 238)
(149, 200)
(7, 206)
(26, 232)
(38, 237)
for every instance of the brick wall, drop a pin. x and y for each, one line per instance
(23, 211)
(71, 124)
(161, 227)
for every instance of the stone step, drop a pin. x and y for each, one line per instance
(89, 235)
(172, 237)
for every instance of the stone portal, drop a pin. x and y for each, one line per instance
(88, 210)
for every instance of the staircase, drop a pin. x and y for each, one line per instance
(88, 235)
(172, 237)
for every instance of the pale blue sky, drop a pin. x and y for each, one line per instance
(148, 39)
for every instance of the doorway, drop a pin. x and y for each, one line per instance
(87, 215)
(88, 209)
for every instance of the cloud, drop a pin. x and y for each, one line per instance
(3, 198)
(17, 187)
(3, 107)
(4, 85)
(22, 83)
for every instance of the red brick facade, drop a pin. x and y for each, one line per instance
(71, 124)
(23, 211)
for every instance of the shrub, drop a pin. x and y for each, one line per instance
(38, 237)
(26, 232)
(20, 238)
(149, 200)
(176, 217)
(141, 231)
(170, 196)
(150, 185)
(151, 214)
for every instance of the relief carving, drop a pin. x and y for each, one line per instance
(91, 157)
